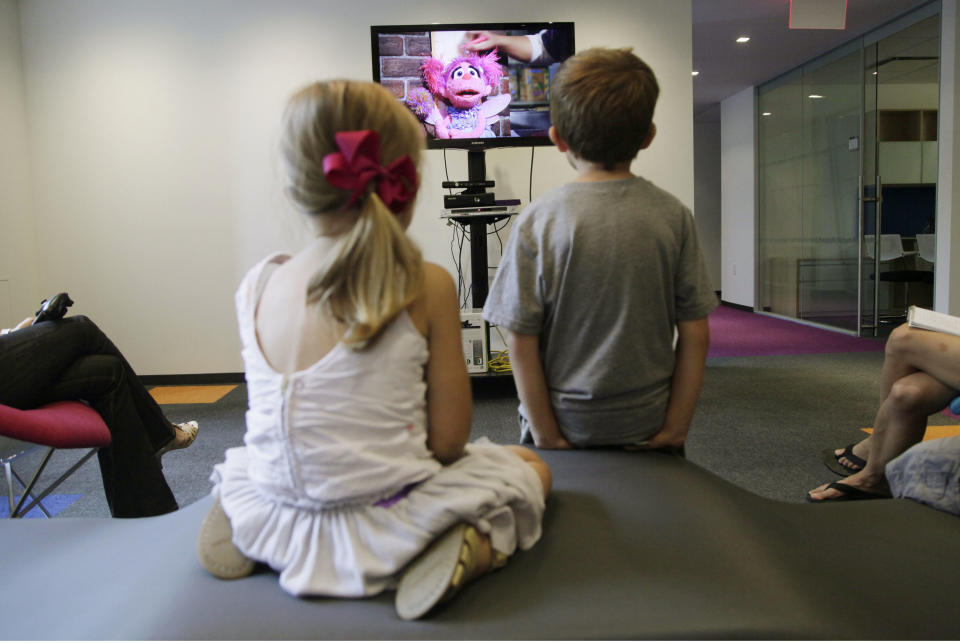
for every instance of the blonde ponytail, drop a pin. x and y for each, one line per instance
(374, 271)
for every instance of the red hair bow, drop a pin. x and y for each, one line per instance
(358, 162)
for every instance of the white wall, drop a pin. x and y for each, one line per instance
(152, 132)
(707, 193)
(738, 198)
(18, 273)
(946, 295)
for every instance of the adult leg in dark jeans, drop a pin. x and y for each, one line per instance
(72, 359)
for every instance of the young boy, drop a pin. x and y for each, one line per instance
(598, 273)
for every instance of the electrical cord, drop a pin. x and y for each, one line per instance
(496, 231)
(500, 360)
(530, 184)
(456, 253)
(461, 234)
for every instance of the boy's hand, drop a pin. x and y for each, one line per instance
(551, 443)
(693, 340)
(532, 390)
(661, 441)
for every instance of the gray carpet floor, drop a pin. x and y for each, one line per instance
(761, 424)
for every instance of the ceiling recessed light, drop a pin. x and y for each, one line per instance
(743, 39)
(695, 73)
(767, 114)
(814, 96)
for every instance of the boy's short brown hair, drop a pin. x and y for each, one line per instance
(601, 102)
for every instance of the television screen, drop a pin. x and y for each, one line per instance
(475, 85)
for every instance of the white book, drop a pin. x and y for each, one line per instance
(932, 320)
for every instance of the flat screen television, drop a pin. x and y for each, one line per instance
(474, 85)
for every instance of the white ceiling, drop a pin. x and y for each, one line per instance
(727, 67)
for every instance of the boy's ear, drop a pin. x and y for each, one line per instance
(649, 139)
(556, 140)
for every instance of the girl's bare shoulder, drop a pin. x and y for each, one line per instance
(439, 293)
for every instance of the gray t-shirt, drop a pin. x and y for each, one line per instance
(602, 272)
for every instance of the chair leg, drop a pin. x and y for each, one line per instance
(8, 471)
(56, 483)
(17, 513)
(23, 484)
(12, 476)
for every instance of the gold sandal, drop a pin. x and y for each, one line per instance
(439, 572)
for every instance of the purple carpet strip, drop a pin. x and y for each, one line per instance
(739, 333)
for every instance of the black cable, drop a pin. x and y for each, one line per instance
(457, 260)
(463, 281)
(459, 237)
(497, 229)
(530, 192)
(453, 256)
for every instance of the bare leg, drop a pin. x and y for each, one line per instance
(900, 423)
(430, 579)
(542, 468)
(485, 552)
(911, 350)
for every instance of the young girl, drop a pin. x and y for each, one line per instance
(356, 455)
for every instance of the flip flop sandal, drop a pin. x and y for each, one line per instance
(849, 493)
(215, 547)
(438, 573)
(832, 460)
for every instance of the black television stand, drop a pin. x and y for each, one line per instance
(477, 220)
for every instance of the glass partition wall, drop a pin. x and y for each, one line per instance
(823, 137)
(809, 128)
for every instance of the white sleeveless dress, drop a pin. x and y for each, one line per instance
(335, 487)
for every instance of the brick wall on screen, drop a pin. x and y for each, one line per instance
(400, 58)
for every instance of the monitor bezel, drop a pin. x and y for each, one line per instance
(470, 143)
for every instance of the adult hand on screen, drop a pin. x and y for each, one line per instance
(517, 47)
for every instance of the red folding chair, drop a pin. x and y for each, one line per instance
(58, 425)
